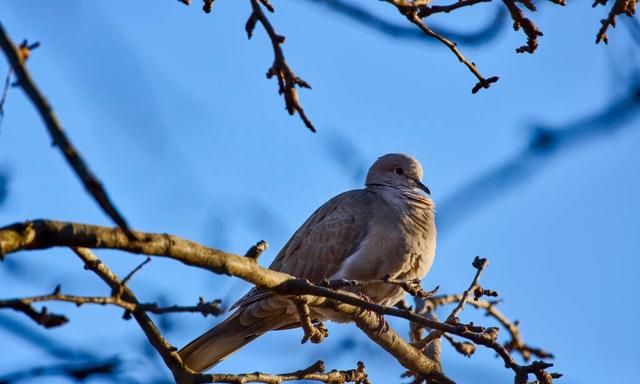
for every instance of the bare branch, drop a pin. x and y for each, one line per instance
(42, 234)
(516, 342)
(207, 5)
(619, 7)
(412, 287)
(287, 80)
(429, 10)
(479, 264)
(528, 27)
(256, 250)
(16, 57)
(315, 372)
(133, 272)
(51, 320)
(358, 12)
(411, 10)
(169, 355)
(465, 348)
(42, 317)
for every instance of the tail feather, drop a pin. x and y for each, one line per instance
(215, 345)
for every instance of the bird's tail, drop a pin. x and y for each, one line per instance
(215, 345)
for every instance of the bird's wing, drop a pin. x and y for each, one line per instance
(322, 244)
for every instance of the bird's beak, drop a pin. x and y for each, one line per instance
(423, 187)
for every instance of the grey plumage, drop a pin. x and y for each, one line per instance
(387, 228)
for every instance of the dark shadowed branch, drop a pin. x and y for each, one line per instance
(16, 56)
(77, 371)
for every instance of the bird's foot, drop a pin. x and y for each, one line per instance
(383, 326)
(316, 333)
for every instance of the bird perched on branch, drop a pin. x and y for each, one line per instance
(386, 229)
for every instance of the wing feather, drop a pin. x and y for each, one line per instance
(323, 243)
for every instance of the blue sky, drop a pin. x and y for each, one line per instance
(172, 110)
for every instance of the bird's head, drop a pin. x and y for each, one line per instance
(397, 170)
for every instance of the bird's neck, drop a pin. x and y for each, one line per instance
(406, 199)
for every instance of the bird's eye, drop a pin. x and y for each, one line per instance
(398, 170)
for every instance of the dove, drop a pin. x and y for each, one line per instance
(386, 229)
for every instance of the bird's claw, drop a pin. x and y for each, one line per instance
(315, 334)
(383, 326)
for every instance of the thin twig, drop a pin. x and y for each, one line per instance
(412, 15)
(312, 332)
(528, 27)
(516, 342)
(619, 7)
(412, 287)
(479, 264)
(42, 317)
(133, 272)
(24, 305)
(287, 80)
(429, 10)
(16, 59)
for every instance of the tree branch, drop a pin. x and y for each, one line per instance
(169, 354)
(315, 372)
(479, 264)
(16, 58)
(287, 80)
(412, 287)
(411, 10)
(619, 7)
(42, 234)
(51, 320)
(516, 343)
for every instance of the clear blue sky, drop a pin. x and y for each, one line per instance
(172, 110)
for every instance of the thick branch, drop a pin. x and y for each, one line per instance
(42, 234)
(88, 179)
